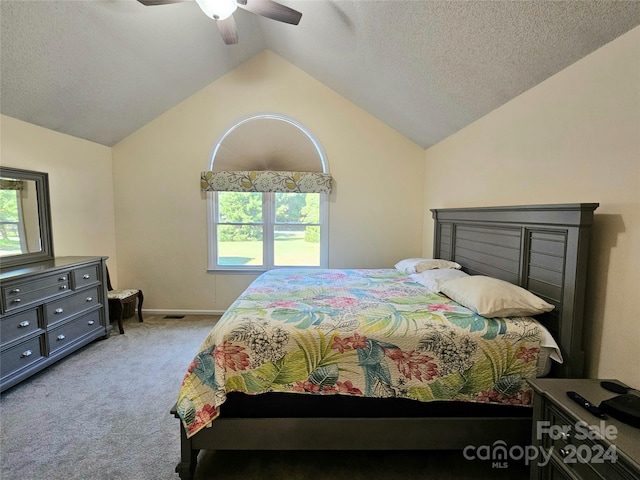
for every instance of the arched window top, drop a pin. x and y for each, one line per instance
(268, 142)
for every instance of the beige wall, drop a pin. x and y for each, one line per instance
(375, 211)
(573, 138)
(80, 183)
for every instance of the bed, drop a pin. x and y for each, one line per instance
(370, 359)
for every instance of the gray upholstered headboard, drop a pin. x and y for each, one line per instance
(543, 248)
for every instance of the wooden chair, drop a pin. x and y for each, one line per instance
(119, 298)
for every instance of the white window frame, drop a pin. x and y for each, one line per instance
(268, 245)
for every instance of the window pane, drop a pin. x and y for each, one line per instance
(296, 242)
(240, 245)
(266, 230)
(240, 207)
(297, 208)
(296, 230)
(300, 245)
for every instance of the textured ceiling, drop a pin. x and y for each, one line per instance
(101, 69)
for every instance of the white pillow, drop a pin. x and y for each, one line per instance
(432, 278)
(432, 264)
(413, 265)
(408, 265)
(491, 297)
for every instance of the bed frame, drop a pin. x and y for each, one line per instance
(543, 248)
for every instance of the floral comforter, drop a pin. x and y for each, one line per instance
(371, 333)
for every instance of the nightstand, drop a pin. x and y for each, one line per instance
(582, 446)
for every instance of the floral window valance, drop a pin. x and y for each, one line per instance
(6, 184)
(266, 181)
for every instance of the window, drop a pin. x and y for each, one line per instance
(267, 187)
(258, 231)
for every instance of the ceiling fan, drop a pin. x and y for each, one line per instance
(222, 12)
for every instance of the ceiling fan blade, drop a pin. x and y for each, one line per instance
(228, 30)
(150, 3)
(273, 10)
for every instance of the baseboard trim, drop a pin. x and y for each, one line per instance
(181, 312)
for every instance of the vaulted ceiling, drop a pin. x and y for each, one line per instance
(101, 69)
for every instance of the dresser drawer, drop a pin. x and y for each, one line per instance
(19, 325)
(555, 471)
(21, 356)
(85, 276)
(64, 307)
(69, 332)
(587, 458)
(17, 294)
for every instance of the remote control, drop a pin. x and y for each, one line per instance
(586, 404)
(615, 387)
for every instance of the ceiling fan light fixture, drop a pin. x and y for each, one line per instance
(222, 12)
(218, 9)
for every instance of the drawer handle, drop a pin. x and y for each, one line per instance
(90, 322)
(86, 276)
(61, 337)
(25, 354)
(16, 300)
(89, 299)
(63, 287)
(62, 279)
(564, 452)
(58, 311)
(23, 324)
(15, 290)
(565, 436)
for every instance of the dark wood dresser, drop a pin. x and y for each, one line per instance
(47, 311)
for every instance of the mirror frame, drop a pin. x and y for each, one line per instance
(44, 218)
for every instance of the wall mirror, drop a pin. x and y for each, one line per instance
(25, 217)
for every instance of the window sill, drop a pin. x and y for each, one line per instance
(257, 271)
(236, 271)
